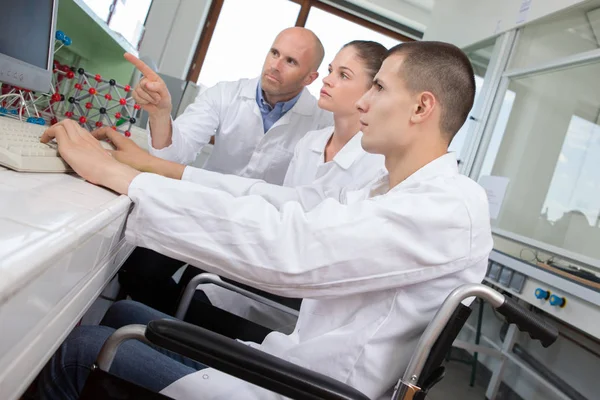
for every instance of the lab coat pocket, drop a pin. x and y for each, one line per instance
(277, 163)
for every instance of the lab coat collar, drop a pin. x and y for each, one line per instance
(249, 89)
(351, 151)
(306, 104)
(445, 165)
(265, 107)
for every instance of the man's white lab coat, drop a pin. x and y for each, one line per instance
(352, 168)
(230, 113)
(372, 271)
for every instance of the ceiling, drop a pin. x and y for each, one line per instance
(414, 14)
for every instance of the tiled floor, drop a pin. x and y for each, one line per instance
(455, 385)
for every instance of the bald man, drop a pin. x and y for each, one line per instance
(256, 124)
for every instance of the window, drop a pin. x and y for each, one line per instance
(579, 158)
(128, 19)
(480, 59)
(234, 56)
(549, 148)
(334, 32)
(498, 133)
(125, 17)
(461, 136)
(223, 56)
(100, 7)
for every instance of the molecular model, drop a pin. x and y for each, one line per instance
(90, 99)
(93, 100)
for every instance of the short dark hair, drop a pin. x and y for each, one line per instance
(370, 53)
(444, 70)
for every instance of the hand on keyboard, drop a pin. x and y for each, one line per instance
(88, 157)
(21, 150)
(126, 151)
(106, 145)
(131, 154)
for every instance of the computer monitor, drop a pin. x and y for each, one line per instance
(27, 29)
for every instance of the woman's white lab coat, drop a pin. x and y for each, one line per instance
(230, 113)
(351, 168)
(372, 271)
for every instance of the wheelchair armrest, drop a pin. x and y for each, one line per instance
(247, 363)
(199, 279)
(526, 321)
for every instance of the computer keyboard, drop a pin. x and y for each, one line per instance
(21, 150)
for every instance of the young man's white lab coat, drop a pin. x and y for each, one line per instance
(352, 168)
(230, 113)
(372, 271)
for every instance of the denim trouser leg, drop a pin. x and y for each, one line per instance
(127, 312)
(63, 378)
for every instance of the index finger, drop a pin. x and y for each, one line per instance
(56, 131)
(144, 69)
(108, 133)
(101, 133)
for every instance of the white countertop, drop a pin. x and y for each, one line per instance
(61, 241)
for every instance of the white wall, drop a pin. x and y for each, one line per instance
(172, 32)
(466, 22)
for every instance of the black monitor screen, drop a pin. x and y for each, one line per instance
(25, 29)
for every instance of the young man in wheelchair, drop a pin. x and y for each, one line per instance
(373, 265)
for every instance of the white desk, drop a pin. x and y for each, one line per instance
(61, 242)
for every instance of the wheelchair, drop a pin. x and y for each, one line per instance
(425, 368)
